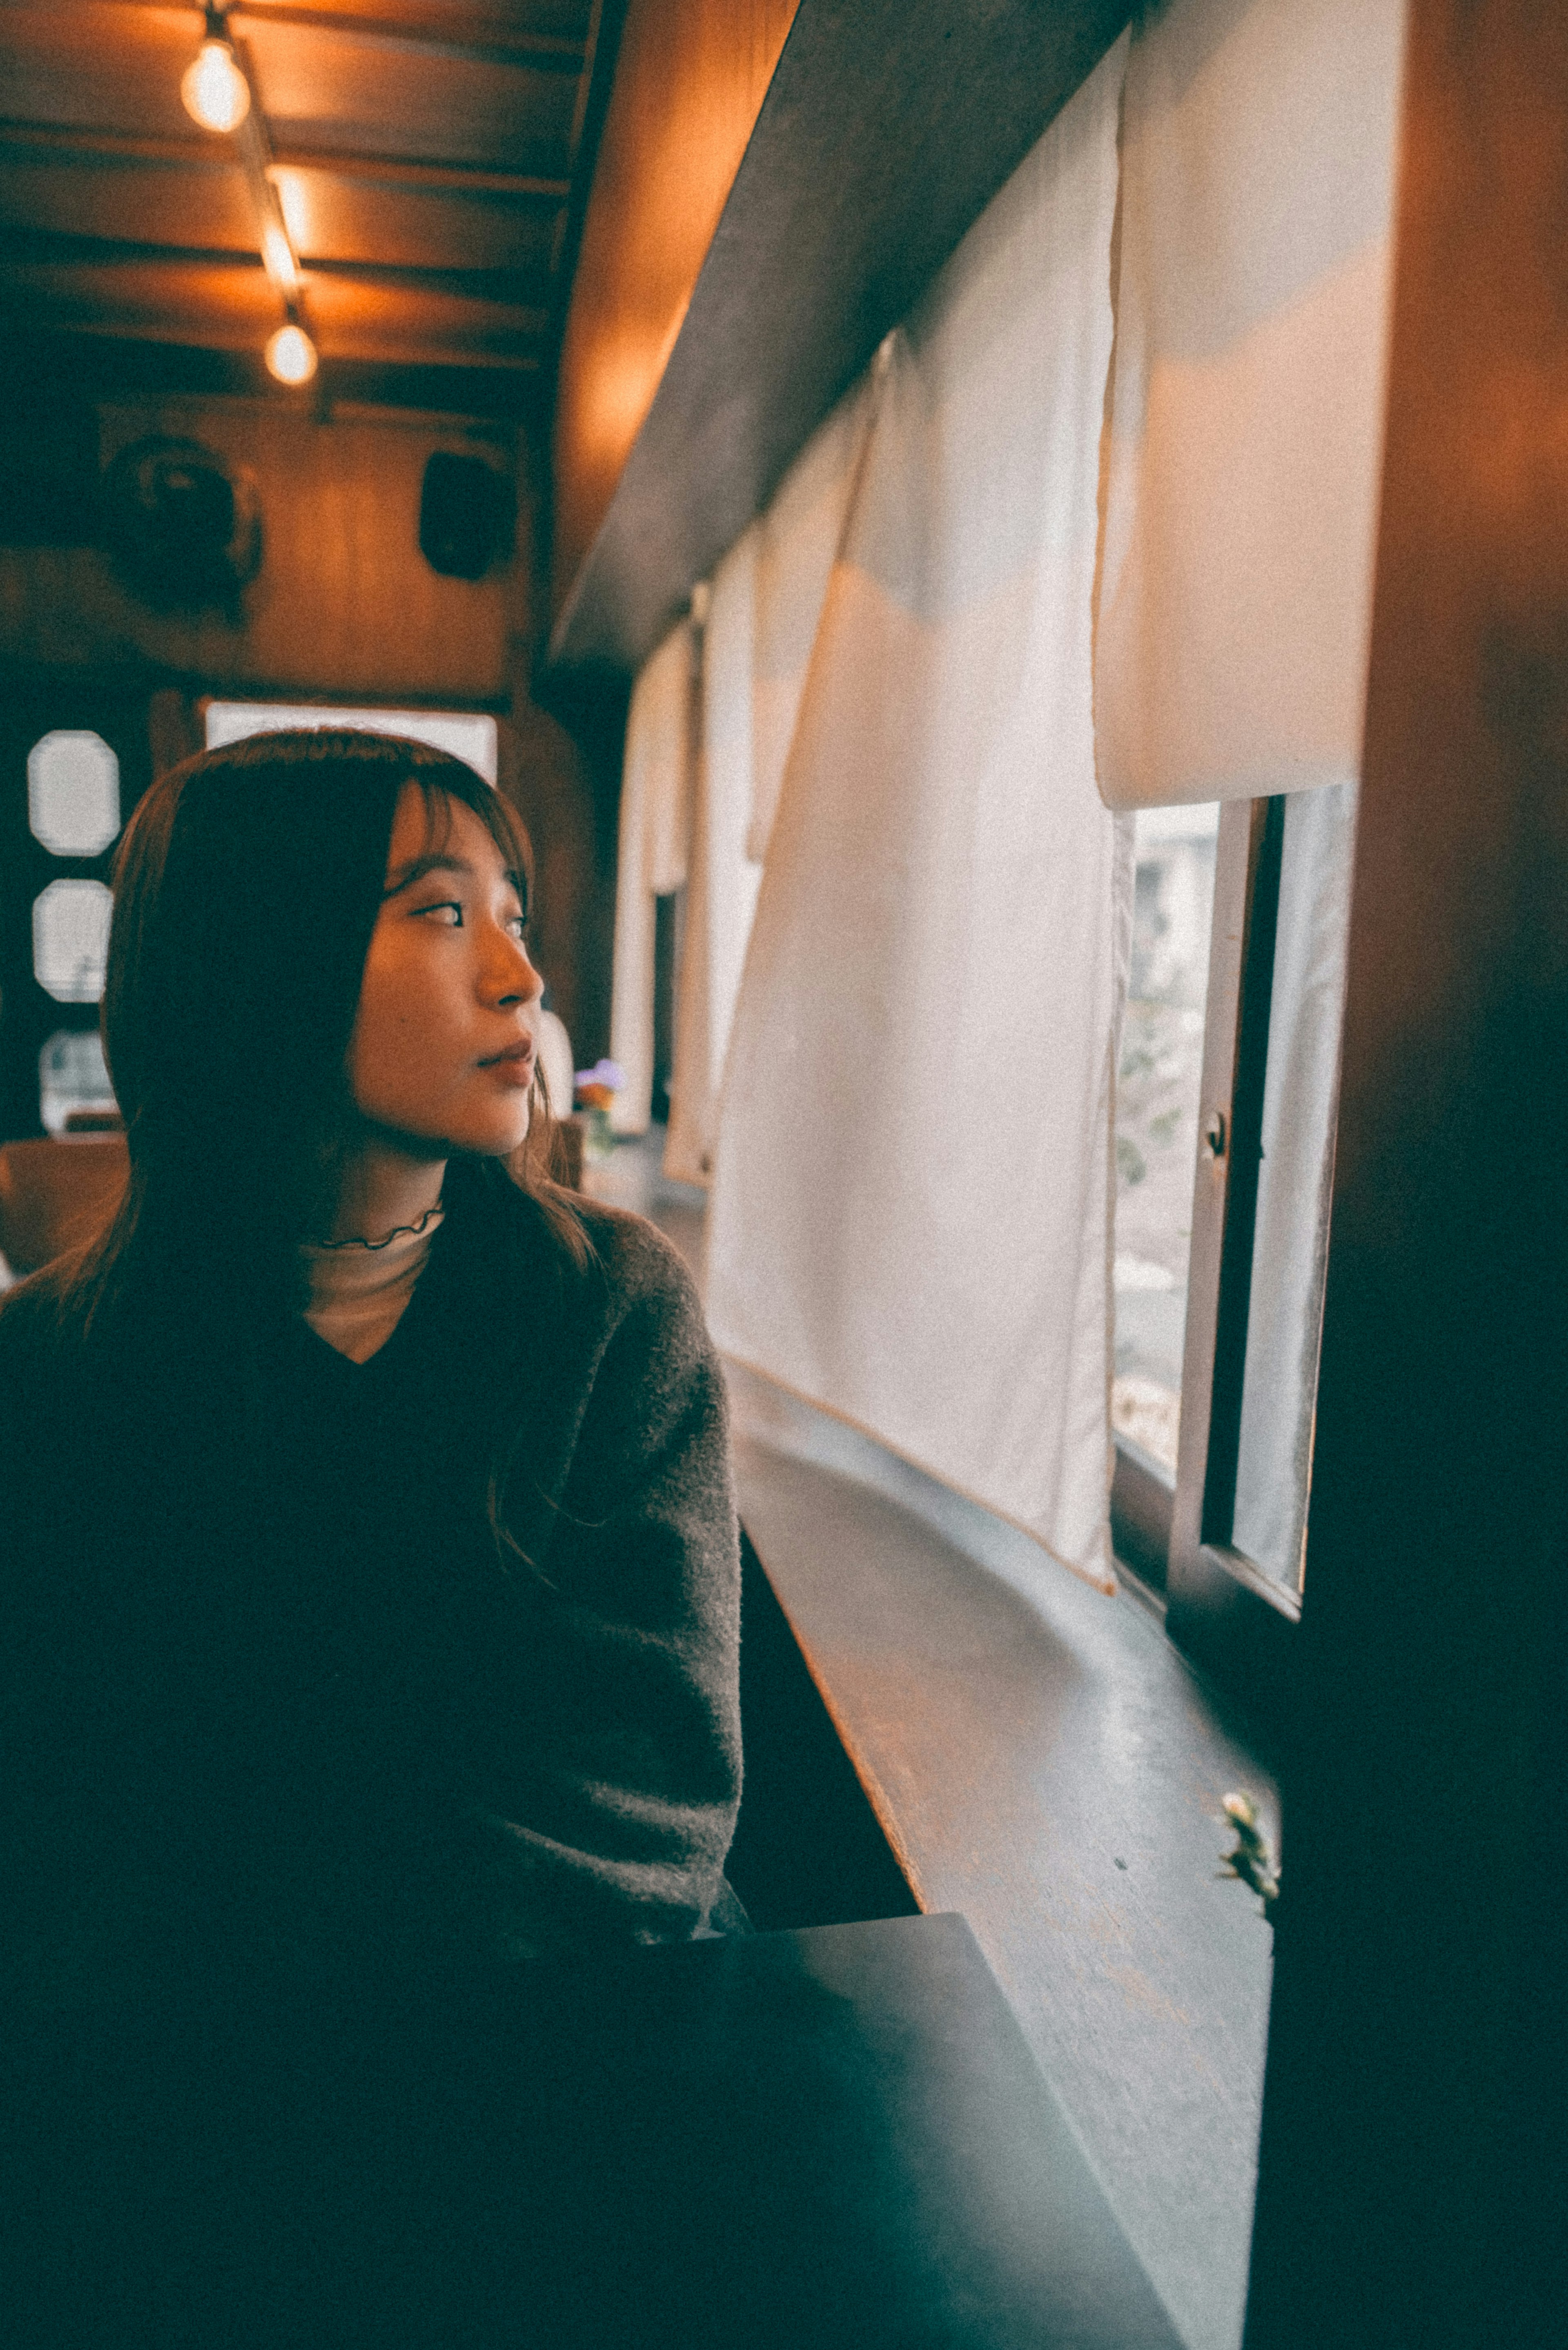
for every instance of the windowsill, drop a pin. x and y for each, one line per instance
(1043, 1759)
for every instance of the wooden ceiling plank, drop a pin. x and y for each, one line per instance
(60, 249)
(99, 64)
(473, 35)
(542, 50)
(335, 220)
(209, 154)
(114, 276)
(370, 353)
(453, 179)
(97, 367)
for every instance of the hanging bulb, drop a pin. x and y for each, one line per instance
(214, 89)
(291, 355)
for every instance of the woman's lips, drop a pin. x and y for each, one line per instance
(517, 1062)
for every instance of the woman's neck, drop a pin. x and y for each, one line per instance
(382, 1191)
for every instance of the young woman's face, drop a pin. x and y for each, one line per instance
(443, 1044)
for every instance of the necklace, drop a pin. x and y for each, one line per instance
(398, 1232)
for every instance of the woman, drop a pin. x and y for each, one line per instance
(369, 1561)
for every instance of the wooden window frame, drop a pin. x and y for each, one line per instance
(1235, 1621)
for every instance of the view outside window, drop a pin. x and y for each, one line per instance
(73, 1081)
(1156, 1118)
(73, 793)
(70, 939)
(466, 734)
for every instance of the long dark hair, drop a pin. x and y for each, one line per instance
(245, 892)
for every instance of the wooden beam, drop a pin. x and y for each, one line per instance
(690, 78)
(887, 129)
(205, 154)
(62, 367)
(477, 33)
(226, 301)
(428, 360)
(58, 251)
(1413, 2172)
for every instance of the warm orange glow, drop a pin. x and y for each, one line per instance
(215, 91)
(689, 80)
(293, 197)
(291, 355)
(278, 256)
(618, 394)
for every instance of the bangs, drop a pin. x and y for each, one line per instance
(495, 813)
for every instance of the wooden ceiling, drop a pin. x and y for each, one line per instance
(432, 156)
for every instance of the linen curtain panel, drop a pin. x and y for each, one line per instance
(657, 779)
(910, 1218)
(765, 609)
(797, 544)
(1258, 166)
(721, 880)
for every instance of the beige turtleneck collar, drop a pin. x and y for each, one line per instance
(359, 1289)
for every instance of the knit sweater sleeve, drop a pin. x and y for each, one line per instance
(625, 1805)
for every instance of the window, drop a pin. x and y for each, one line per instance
(469, 736)
(73, 793)
(74, 761)
(1156, 1119)
(70, 939)
(73, 1080)
(1213, 1485)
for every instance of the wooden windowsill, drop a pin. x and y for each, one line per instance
(1042, 1759)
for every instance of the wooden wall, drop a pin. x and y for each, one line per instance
(345, 607)
(1414, 2171)
(690, 81)
(343, 602)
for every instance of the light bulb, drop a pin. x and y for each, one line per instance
(291, 355)
(214, 89)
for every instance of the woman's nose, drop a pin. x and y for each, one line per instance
(518, 980)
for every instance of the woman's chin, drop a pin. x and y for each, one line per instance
(492, 1137)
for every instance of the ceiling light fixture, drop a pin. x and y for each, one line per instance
(219, 91)
(291, 354)
(215, 90)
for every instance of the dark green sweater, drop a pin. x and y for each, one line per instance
(276, 1699)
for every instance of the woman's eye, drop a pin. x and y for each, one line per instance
(447, 911)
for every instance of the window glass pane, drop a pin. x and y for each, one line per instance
(467, 735)
(70, 939)
(73, 793)
(1156, 1118)
(72, 1077)
(1290, 1234)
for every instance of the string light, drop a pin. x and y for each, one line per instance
(277, 254)
(291, 354)
(215, 91)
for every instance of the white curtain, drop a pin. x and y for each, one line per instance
(910, 1217)
(721, 880)
(1257, 169)
(798, 542)
(657, 778)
